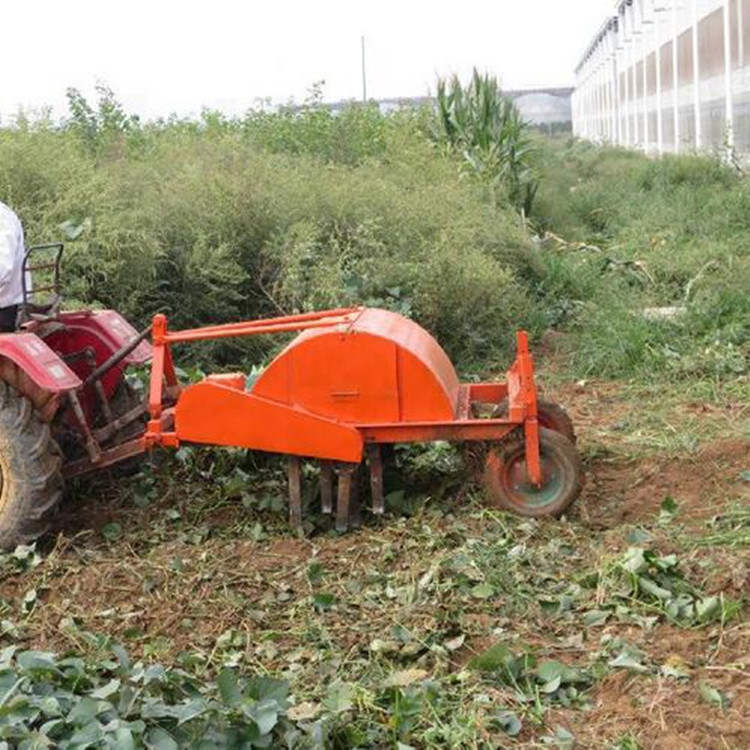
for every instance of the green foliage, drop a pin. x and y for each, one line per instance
(486, 129)
(219, 219)
(116, 703)
(657, 582)
(632, 234)
(103, 127)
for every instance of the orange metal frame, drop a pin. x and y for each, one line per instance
(220, 410)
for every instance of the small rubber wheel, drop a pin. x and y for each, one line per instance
(508, 488)
(31, 482)
(552, 416)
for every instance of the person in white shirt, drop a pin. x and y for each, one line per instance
(11, 267)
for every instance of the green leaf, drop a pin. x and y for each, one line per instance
(84, 712)
(315, 573)
(595, 618)
(634, 560)
(500, 660)
(105, 691)
(638, 536)
(563, 739)
(124, 739)
(32, 661)
(160, 739)
(268, 688)
(229, 688)
(73, 229)
(483, 591)
(712, 696)
(668, 511)
(339, 697)
(266, 715)
(29, 600)
(112, 532)
(89, 735)
(653, 588)
(629, 661)
(708, 608)
(190, 710)
(323, 601)
(554, 674)
(509, 723)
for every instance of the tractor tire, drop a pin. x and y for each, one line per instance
(31, 481)
(505, 475)
(124, 399)
(551, 416)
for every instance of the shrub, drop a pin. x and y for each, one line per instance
(219, 219)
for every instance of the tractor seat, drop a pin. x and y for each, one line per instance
(42, 301)
(30, 311)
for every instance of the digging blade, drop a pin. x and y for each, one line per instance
(295, 492)
(326, 487)
(375, 461)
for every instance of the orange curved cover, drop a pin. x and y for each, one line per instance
(380, 368)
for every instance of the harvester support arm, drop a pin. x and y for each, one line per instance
(162, 372)
(528, 394)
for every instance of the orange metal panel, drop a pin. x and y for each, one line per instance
(216, 415)
(379, 368)
(423, 432)
(340, 376)
(412, 338)
(234, 380)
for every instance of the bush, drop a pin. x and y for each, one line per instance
(220, 219)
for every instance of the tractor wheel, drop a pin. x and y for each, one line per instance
(125, 399)
(31, 482)
(550, 415)
(508, 488)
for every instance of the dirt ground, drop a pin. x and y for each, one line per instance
(185, 576)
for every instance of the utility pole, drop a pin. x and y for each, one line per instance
(364, 73)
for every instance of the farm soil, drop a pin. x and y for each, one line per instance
(165, 589)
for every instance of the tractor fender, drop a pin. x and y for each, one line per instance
(102, 332)
(32, 368)
(111, 331)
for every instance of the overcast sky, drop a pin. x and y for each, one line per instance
(163, 56)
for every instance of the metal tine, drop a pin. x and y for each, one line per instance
(344, 496)
(326, 487)
(355, 500)
(295, 492)
(375, 461)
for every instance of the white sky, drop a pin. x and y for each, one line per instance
(163, 56)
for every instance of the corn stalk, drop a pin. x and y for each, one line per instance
(487, 130)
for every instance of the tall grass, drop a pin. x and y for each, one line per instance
(670, 232)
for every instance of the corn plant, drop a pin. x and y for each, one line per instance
(487, 130)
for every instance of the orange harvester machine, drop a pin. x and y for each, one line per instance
(351, 381)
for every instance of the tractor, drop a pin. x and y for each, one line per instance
(64, 399)
(352, 383)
